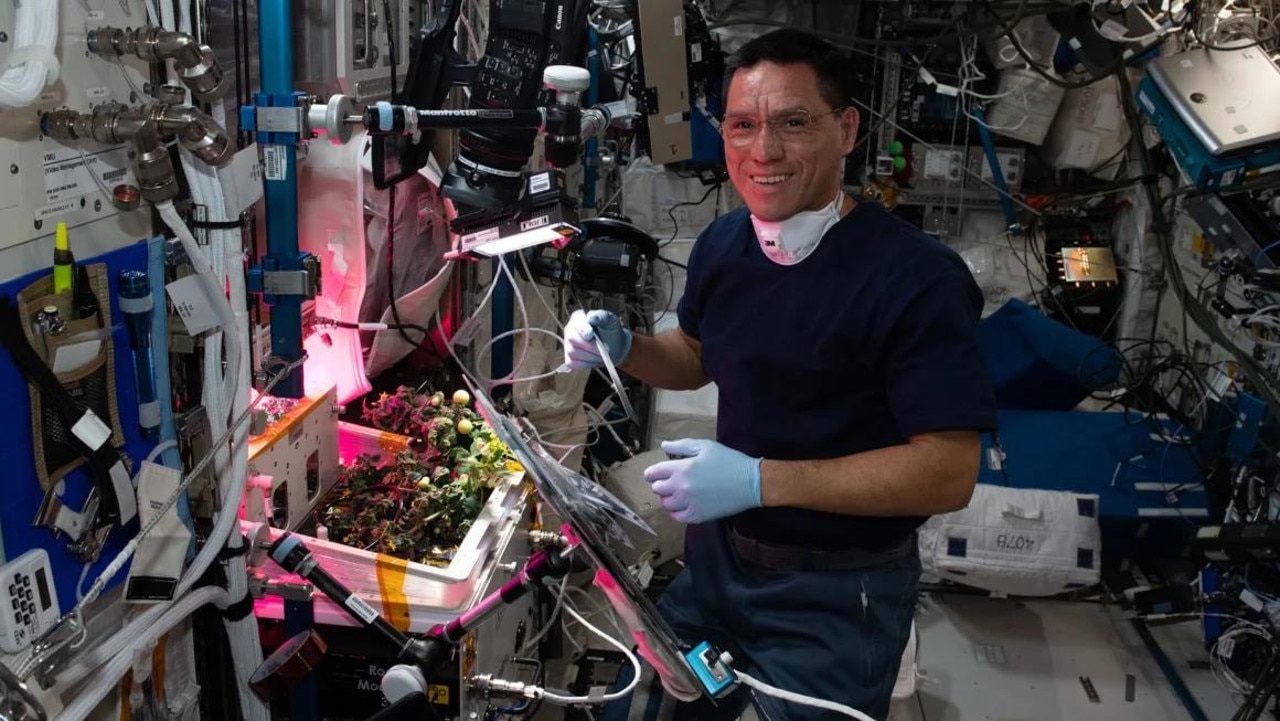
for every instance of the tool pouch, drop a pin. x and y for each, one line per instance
(82, 356)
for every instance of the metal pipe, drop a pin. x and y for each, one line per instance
(197, 65)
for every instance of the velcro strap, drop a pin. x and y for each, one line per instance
(227, 553)
(240, 609)
(117, 504)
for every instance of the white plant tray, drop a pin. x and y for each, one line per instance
(414, 597)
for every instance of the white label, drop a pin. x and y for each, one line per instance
(1003, 160)
(1229, 177)
(1082, 150)
(537, 222)
(1146, 103)
(149, 414)
(673, 119)
(1226, 647)
(540, 183)
(74, 356)
(95, 15)
(273, 161)
(98, 93)
(695, 52)
(91, 430)
(644, 575)
(994, 459)
(48, 211)
(678, 24)
(1107, 116)
(938, 164)
(361, 609)
(1013, 541)
(66, 177)
(193, 304)
(242, 181)
(1249, 599)
(483, 236)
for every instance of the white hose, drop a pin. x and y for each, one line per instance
(33, 63)
(793, 697)
(105, 680)
(213, 284)
(125, 639)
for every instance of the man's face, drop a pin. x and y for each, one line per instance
(783, 143)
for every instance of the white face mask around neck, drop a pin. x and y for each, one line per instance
(787, 242)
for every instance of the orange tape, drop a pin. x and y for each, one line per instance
(158, 660)
(395, 605)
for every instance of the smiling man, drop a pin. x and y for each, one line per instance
(852, 394)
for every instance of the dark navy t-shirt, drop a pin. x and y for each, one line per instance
(866, 342)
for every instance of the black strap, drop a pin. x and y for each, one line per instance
(775, 557)
(67, 407)
(227, 553)
(239, 609)
(216, 224)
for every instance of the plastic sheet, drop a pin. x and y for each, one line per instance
(332, 229)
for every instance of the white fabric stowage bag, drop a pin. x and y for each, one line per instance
(1016, 541)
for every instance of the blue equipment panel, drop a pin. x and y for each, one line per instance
(1205, 171)
(1151, 493)
(22, 493)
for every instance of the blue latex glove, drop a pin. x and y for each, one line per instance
(580, 335)
(711, 480)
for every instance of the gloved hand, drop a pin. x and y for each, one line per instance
(580, 335)
(711, 480)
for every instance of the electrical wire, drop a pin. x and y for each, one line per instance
(793, 697)
(605, 698)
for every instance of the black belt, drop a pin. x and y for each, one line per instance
(776, 557)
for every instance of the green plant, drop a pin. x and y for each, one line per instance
(421, 503)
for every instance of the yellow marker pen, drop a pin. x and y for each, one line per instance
(62, 261)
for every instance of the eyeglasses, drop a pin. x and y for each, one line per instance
(790, 126)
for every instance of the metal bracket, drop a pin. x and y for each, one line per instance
(304, 282)
(16, 700)
(280, 120)
(54, 650)
(86, 541)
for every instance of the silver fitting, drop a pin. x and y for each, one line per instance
(196, 63)
(486, 683)
(148, 128)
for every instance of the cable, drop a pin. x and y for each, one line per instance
(606, 698)
(106, 680)
(1262, 254)
(127, 552)
(793, 697)
(1203, 318)
(32, 63)
(671, 213)
(551, 618)
(1006, 29)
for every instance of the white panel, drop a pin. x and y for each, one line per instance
(30, 203)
